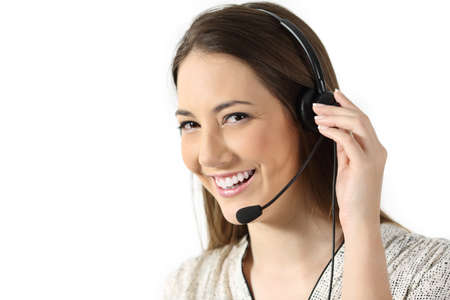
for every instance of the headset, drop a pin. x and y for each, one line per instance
(306, 115)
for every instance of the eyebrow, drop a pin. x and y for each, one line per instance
(216, 109)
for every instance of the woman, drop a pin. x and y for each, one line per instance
(238, 75)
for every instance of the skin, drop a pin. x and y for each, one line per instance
(288, 242)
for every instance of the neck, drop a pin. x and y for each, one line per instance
(292, 241)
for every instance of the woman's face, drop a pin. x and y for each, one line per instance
(262, 136)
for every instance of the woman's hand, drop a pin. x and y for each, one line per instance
(361, 160)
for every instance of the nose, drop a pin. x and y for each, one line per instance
(213, 152)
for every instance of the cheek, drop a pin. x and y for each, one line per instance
(274, 145)
(189, 156)
(253, 142)
(250, 145)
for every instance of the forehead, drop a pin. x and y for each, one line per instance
(215, 76)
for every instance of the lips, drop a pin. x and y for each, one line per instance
(236, 190)
(230, 174)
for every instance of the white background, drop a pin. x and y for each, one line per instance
(95, 200)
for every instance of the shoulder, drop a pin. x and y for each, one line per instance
(201, 273)
(418, 250)
(418, 266)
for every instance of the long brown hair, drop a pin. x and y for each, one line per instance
(280, 63)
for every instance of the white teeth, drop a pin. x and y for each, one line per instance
(230, 181)
(240, 176)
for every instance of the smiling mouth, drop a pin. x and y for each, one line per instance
(239, 183)
(235, 189)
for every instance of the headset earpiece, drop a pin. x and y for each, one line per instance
(306, 112)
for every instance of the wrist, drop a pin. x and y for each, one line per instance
(359, 226)
(350, 220)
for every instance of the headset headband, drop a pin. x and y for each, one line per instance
(314, 62)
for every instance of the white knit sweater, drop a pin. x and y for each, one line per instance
(418, 268)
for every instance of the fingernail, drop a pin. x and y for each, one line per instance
(318, 104)
(336, 90)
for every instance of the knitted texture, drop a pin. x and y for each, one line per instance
(418, 268)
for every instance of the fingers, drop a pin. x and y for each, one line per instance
(349, 118)
(351, 147)
(352, 124)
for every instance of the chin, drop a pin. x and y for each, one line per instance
(229, 211)
(232, 219)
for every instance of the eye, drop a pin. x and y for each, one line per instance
(243, 115)
(240, 116)
(184, 123)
